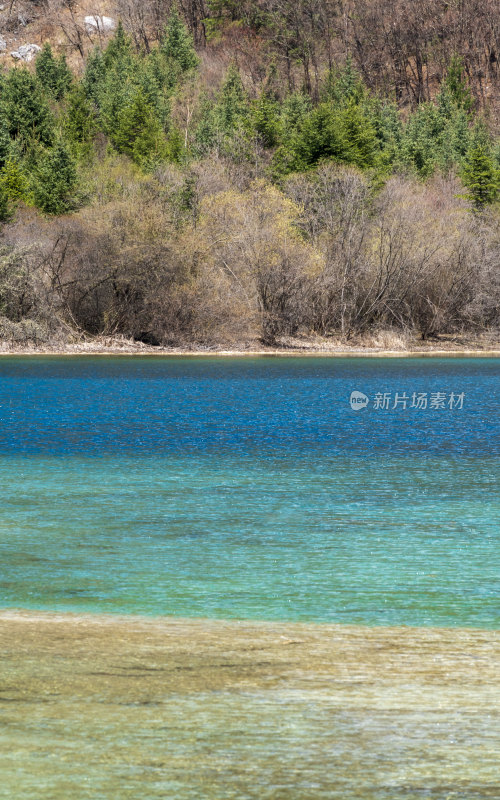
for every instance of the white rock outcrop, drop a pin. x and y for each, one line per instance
(98, 24)
(26, 52)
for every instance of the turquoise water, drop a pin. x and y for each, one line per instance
(249, 488)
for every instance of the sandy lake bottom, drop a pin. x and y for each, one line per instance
(130, 707)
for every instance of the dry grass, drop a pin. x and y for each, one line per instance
(381, 343)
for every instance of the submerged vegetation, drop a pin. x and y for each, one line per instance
(182, 194)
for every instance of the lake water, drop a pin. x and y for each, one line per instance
(248, 488)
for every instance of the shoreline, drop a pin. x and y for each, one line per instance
(281, 353)
(382, 345)
(32, 615)
(19, 614)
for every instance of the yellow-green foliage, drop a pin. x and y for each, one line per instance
(15, 182)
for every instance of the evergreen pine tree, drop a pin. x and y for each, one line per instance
(266, 120)
(359, 140)
(445, 104)
(480, 176)
(480, 135)
(177, 44)
(139, 133)
(26, 108)
(344, 134)
(388, 129)
(232, 107)
(271, 86)
(420, 144)
(14, 180)
(64, 77)
(5, 149)
(94, 76)
(206, 133)
(320, 137)
(119, 49)
(158, 72)
(456, 84)
(156, 82)
(53, 73)
(120, 81)
(55, 180)
(226, 124)
(459, 134)
(174, 150)
(294, 111)
(79, 119)
(344, 85)
(5, 142)
(495, 154)
(116, 94)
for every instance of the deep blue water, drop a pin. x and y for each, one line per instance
(249, 488)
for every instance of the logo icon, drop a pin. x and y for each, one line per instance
(358, 400)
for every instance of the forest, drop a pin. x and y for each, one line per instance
(215, 172)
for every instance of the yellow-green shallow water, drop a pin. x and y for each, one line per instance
(132, 707)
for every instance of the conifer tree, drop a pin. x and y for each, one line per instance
(26, 109)
(5, 150)
(421, 139)
(14, 180)
(388, 129)
(120, 82)
(79, 119)
(53, 73)
(294, 110)
(495, 154)
(320, 137)
(459, 134)
(94, 76)
(480, 176)
(206, 130)
(5, 142)
(55, 180)
(177, 44)
(119, 49)
(115, 95)
(446, 105)
(174, 150)
(266, 120)
(344, 134)
(358, 137)
(156, 82)
(457, 86)
(139, 133)
(344, 86)
(224, 120)
(232, 106)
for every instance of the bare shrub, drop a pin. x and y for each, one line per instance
(334, 200)
(27, 310)
(423, 259)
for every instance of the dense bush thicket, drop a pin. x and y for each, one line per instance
(137, 200)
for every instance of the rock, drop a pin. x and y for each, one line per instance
(26, 52)
(3, 44)
(98, 24)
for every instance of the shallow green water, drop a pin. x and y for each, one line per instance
(249, 488)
